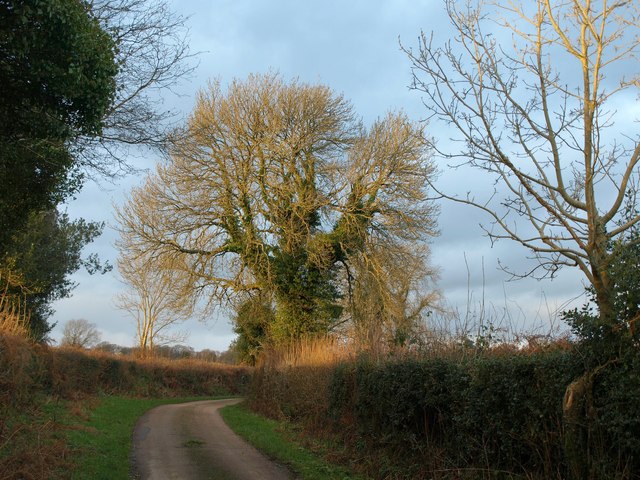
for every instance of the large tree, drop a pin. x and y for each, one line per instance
(57, 71)
(81, 83)
(273, 189)
(536, 94)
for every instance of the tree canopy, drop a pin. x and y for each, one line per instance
(153, 57)
(80, 333)
(57, 71)
(273, 189)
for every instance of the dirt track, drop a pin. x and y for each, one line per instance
(190, 441)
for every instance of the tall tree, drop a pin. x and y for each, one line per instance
(533, 91)
(274, 187)
(80, 87)
(152, 298)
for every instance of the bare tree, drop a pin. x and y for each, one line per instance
(152, 56)
(532, 91)
(389, 295)
(152, 299)
(274, 187)
(80, 333)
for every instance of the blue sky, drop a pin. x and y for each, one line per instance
(353, 47)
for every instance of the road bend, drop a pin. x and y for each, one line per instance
(190, 441)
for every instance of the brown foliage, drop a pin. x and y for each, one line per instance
(295, 379)
(14, 318)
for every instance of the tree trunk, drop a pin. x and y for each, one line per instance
(579, 416)
(576, 407)
(575, 427)
(604, 297)
(599, 260)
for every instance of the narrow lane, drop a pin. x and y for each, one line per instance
(190, 441)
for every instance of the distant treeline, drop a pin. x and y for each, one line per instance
(173, 352)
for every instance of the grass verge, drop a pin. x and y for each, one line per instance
(101, 445)
(275, 440)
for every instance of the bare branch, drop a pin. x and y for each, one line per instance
(536, 116)
(276, 187)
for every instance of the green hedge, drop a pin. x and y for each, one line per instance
(497, 413)
(26, 369)
(490, 416)
(615, 435)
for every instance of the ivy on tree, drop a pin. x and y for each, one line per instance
(277, 191)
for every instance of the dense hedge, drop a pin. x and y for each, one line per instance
(489, 416)
(26, 369)
(615, 412)
(492, 413)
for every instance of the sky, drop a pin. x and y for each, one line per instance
(353, 47)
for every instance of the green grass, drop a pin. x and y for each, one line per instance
(101, 446)
(270, 437)
(31, 442)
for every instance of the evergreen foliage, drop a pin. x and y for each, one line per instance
(57, 71)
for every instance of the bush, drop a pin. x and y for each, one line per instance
(488, 416)
(506, 411)
(78, 372)
(511, 412)
(615, 422)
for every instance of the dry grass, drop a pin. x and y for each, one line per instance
(19, 367)
(31, 450)
(292, 382)
(14, 317)
(308, 352)
(29, 447)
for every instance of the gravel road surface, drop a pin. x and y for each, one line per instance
(190, 441)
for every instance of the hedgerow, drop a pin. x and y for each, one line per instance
(35, 378)
(483, 416)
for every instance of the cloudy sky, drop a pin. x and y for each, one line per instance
(353, 47)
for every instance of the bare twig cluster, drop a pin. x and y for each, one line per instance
(531, 91)
(278, 188)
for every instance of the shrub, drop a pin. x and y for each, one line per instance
(483, 416)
